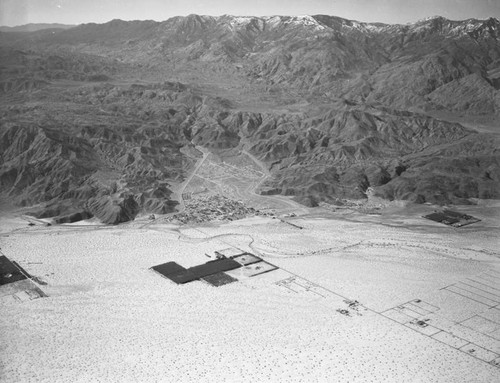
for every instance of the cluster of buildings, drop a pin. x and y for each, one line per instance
(213, 208)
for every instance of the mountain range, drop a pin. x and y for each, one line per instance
(33, 27)
(99, 117)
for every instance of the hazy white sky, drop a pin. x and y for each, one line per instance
(17, 12)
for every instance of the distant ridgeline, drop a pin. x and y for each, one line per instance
(98, 118)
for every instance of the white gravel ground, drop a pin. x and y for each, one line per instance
(108, 318)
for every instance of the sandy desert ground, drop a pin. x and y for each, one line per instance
(357, 298)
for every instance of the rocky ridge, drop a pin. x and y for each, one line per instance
(97, 118)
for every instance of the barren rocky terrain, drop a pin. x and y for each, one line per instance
(100, 119)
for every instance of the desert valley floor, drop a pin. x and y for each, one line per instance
(357, 298)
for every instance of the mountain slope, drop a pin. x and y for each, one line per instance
(34, 27)
(99, 117)
(397, 65)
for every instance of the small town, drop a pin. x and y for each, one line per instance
(214, 208)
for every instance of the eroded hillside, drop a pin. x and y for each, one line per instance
(100, 118)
